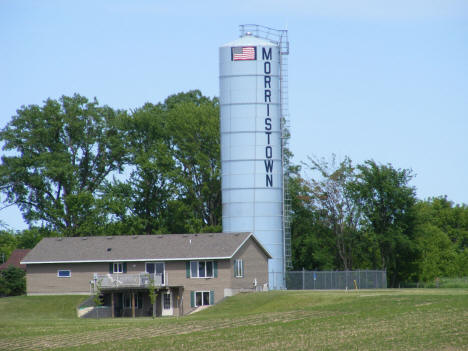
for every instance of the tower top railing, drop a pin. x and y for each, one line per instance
(277, 36)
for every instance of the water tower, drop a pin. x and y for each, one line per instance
(254, 112)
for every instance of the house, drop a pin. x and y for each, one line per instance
(186, 270)
(15, 259)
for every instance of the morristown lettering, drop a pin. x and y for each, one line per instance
(267, 57)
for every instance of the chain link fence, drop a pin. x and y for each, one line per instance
(309, 280)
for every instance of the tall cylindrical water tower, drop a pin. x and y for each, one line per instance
(251, 145)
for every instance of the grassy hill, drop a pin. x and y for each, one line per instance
(421, 319)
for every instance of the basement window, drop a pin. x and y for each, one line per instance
(64, 273)
(201, 298)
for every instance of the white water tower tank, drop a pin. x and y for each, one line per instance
(251, 164)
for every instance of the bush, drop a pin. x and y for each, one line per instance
(12, 282)
(3, 289)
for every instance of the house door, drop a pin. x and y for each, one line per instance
(118, 304)
(166, 301)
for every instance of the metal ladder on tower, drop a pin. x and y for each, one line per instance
(285, 134)
(280, 38)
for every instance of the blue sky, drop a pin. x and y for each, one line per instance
(382, 80)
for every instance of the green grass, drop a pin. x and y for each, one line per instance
(419, 319)
(453, 282)
(443, 283)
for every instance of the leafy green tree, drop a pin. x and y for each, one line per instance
(141, 201)
(442, 237)
(12, 281)
(28, 238)
(386, 202)
(313, 247)
(193, 124)
(8, 243)
(153, 295)
(60, 155)
(438, 254)
(329, 192)
(450, 218)
(174, 184)
(462, 263)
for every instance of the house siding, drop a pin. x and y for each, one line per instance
(255, 267)
(42, 279)
(178, 277)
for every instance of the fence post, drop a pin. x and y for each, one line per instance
(303, 278)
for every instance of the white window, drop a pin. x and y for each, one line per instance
(118, 267)
(64, 273)
(238, 268)
(202, 298)
(201, 269)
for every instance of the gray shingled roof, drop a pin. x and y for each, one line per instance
(138, 248)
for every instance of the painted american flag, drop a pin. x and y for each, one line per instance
(242, 53)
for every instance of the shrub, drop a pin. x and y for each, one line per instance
(12, 281)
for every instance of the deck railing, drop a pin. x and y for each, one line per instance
(124, 280)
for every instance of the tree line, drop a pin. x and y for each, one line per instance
(367, 216)
(77, 168)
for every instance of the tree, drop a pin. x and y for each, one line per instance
(62, 153)
(152, 295)
(193, 124)
(386, 202)
(29, 238)
(8, 243)
(442, 238)
(174, 184)
(450, 218)
(438, 254)
(329, 193)
(97, 297)
(141, 201)
(313, 246)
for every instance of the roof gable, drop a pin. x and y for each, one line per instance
(138, 248)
